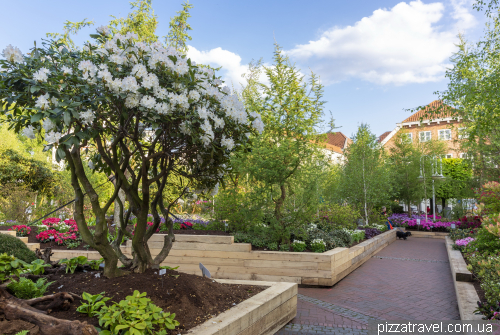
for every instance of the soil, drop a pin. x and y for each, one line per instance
(480, 291)
(192, 298)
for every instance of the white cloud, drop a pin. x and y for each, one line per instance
(232, 69)
(405, 44)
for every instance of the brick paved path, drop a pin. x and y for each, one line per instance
(407, 280)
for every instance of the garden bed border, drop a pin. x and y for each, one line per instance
(228, 260)
(264, 313)
(467, 297)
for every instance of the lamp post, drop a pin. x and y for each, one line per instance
(437, 174)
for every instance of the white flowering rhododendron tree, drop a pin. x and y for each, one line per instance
(143, 113)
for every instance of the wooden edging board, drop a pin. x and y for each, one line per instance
(264, 313)
(236, 261)
(427, 234)
(467, 297)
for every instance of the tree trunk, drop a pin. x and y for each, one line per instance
(19, 309)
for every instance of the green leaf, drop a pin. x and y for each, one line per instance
(34, 89)
(67, 118)
(37, 117)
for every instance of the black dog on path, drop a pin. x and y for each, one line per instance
(402, 235)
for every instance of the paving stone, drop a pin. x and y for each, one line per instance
(407, 280)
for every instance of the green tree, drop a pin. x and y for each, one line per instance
(142, 21)
(70, 28)
(178, 35)
(366, 180)
(458, 173)
(283, 157)
(405, 167)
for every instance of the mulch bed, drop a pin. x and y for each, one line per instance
(192, 298)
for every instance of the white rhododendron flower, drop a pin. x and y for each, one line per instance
(104, 30)
(13, 54)
(66, 70)
(87, 117)
(148, 102)
(48, 125)
(42, 101)
(41, 75)
(53, 137)
(227, 142)
(29, 132)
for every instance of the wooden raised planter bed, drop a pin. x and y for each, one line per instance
(228, 260)
(264, 313)
(467, 297)
(428, 234)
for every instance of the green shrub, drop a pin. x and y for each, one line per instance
(331, 239)
(9, 266)
(17, 248)
(37, 267)
(272, 246)
(94, 264)
(318, 245)
(460, 234)
(72, 263)
(298, 246)
(27, 289)
(136, 314)
(337, 216)
(484, 241)
(93, 303)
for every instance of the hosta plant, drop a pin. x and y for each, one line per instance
(135, 315)
(92, 303)
(9, 266)
(37, 267)
(142, 112)
(72, 263)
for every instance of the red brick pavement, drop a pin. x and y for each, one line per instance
(390, 289)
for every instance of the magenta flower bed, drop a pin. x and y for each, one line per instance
(52, 234)
(464, 242)
(404, 220)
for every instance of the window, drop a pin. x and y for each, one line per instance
(449, 155)
(425, 136)
(462, 133)
(444, 134)
(409, 137)
(463, 155)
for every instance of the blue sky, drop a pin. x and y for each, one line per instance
(375, 57)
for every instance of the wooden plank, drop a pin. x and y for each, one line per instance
(262, 271)
(457, 263)
(263, 255)
(237, 247)
(8, 232)
(247, 312)
(249, 277)
(210, 239)
(273, 320)
(281, 264)
(24, 239)
(205, 261)
(326, 281)
(309, 281)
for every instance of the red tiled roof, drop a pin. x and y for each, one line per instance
(444, 112)
(338, 139)
(383, 136)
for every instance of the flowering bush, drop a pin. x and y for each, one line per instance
(186, 225)
(370, 232)
(21, 230)
(318, 245)
(489, 197)
(298, 246)
(127, 98)
(357, 235)
(463, 242)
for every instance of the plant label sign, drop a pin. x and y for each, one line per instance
(162, 272)
(204, 271)
(418, 222)
(453, 226)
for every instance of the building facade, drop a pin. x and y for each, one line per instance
(421, 129)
